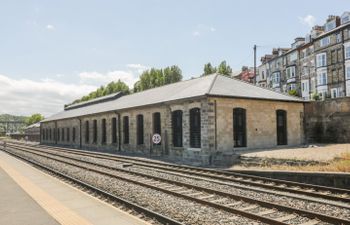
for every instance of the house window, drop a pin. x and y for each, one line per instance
(263, 75)
(68, 134)
(347, 51)
(322, 78)
(239, 127)
(139, 128)
(104, 135)
(325, 41)
(321, 60)
(348, 72)
(73, 137)
(87, 132)
(290, 72)
(334, 93)
(276, 78)
(126, 129)
(114, 130)
(94, 133)
(338, 37)
(176, 119)
(195, 128)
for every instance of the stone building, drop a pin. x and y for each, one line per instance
(201, 121)
(319, 62)
(32, 132)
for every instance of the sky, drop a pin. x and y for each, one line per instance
(53, 52)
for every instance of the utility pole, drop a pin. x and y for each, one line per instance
(254, 64)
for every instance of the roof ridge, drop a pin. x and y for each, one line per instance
(212, 83)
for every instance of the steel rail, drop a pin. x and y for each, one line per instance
(309, 214)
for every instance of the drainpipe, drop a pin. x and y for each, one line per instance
(80, 137)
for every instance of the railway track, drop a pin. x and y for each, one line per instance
(317, 191)
(262, 211)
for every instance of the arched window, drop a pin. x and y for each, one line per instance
(139, 128)
(126, 129)
(94, 127)
(62, 136)
(68, 134)
(73, 134)
(114, 130)
(104, 131)
(195, 128)
(281, 122)
(176, 119)
(239, 127)
(87, 133)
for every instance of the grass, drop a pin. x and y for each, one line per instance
(340, 164)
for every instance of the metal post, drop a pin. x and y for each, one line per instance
(254, 64)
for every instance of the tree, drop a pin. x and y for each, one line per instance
(224, 69)
(209, 69)
(158, 77)
(293, 92)
(112, 87)
(37, 117)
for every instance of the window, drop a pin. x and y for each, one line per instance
(347, 52)
(104, 134)
(195, 128)
(263, 75)
(68, 134)
(62, 136)
(176, 119)
(139, 128)
(330, 25)
(58, 134)
(157, 124)
(322, 78)
(290, 72)
(305, 86)
(321, 60)
(293, 56)
(281, 117)
(114, 130)
(126, 129)
(276, 78)
(334, 93)
(94, 127)
(338, 37)
(348, 72)
(325, 41)
(87, 133)
(239, 127)
(73, 137)
(292, 87)
(345, 18)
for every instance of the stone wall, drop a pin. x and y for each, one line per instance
(328, 121)
(261, 123)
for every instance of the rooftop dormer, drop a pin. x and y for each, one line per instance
(345, 18)
(331, 23)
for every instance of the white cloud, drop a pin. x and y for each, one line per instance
(25, 97)
(104, 78)
(308, 20)
(50, 27)
(138, 67)
(48, 96)
(202, 29)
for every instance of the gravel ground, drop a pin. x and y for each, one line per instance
(283, 200)
(320, 152)
(180, 209)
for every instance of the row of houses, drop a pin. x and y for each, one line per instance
(316, 66)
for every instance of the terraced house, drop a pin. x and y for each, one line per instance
(201, 121)
(316, 66)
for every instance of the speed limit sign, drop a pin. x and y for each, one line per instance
(156, 138)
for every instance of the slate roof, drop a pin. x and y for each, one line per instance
(211, 85)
